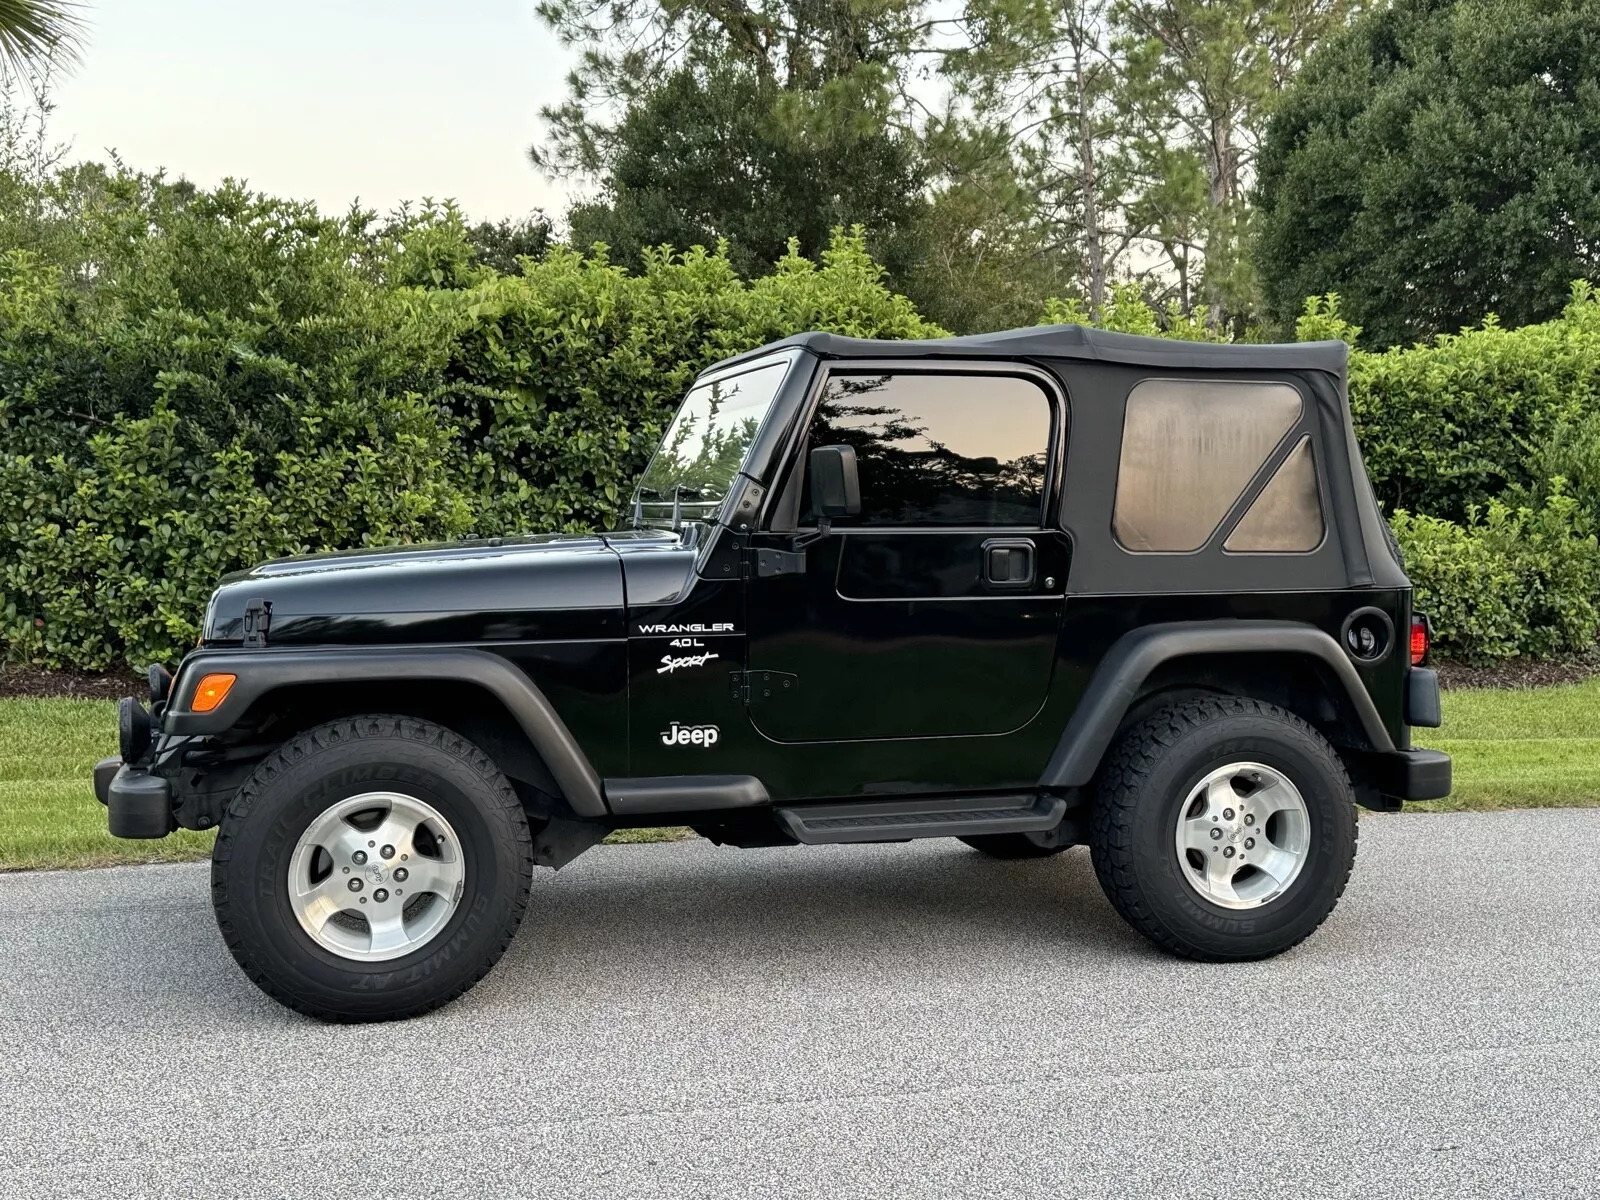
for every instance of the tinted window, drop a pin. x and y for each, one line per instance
(940, 449)
(1287, 515)
(1189, 449)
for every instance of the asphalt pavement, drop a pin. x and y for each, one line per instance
(879, 1021)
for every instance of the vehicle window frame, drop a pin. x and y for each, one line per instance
(782, 513)
(786, 358)
(1303, 426)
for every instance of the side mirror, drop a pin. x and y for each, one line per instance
(835, 481)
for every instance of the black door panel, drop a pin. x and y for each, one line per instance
(899, 566)
(897, 635)
(932, 608)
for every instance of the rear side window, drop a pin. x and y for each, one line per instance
(940, 450)
(1287, 515)
(1189, 450)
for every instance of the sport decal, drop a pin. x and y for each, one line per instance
(670, 663)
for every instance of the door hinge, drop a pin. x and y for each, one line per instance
(754, 686)
(257, 620)
(780, 562)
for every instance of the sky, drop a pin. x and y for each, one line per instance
(327, 100)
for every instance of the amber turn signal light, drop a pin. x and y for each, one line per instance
(213, 690)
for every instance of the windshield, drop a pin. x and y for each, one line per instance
(705, 445)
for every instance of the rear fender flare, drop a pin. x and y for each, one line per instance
(260, 672)
(1136, 654)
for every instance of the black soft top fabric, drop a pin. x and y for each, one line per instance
(1074, 341)
(1106, 365)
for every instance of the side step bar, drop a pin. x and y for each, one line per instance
(902, 820)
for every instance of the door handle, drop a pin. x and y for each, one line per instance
(1008, 562)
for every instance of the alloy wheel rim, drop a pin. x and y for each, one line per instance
(376, 876)
(1243, 835)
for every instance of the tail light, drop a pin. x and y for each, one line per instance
(1420, 637)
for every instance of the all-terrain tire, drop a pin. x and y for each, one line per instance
(1147, 779)
(312, 773)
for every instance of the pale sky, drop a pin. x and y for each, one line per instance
(326, 100)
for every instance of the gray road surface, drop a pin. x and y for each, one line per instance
(848, 1021)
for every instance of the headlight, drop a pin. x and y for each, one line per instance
(133, 729)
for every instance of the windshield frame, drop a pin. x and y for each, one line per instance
(670, 512)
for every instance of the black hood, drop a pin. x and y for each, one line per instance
(546, 586)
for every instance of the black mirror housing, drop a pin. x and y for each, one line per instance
(835, 481)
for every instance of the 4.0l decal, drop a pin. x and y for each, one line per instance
(690, 735)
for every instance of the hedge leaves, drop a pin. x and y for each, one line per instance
(193, 382)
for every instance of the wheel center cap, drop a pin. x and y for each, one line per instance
(377, 874)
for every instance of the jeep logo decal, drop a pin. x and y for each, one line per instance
(691, 735)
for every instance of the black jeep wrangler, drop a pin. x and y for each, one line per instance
(1028, 590)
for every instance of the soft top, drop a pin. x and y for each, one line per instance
(1072, 341)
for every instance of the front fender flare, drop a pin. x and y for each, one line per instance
(262, 671)
(1135, 654)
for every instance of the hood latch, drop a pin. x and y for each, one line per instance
(257, 619)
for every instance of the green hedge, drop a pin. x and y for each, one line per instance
(1454, 423)
(1510, 581)
(193, 382)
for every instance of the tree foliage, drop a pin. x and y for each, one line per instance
(996, 152)
(838, 64)
(713, 156)
(38, 34)
(1437, 162)
(501, 245)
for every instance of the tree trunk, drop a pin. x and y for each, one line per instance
(1222, 161)
(1089, 180)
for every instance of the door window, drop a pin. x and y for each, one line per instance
(939, 450)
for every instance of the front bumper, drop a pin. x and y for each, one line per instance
(138, 804)
(1411, 774)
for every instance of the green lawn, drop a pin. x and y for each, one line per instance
(1534, 748)
(1513, 749)
(48, 814)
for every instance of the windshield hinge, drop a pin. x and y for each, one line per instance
(753, 686)
(257, 620)
(779, 562)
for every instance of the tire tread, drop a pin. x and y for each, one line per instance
(497, 789)
(1120, 789)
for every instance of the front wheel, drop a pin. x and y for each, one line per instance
(372, 868)
(1224, 829)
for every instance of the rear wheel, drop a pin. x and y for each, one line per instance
(373, 868)
(1224, 829)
